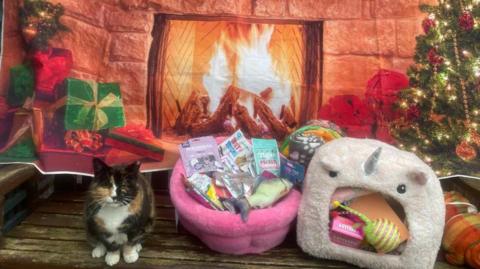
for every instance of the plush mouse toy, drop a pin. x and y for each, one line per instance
(378, 167)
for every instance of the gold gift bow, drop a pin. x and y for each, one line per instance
(100, 118)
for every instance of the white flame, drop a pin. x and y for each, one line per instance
(254, 71)
(218, 78)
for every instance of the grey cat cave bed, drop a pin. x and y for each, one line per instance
(378, 167)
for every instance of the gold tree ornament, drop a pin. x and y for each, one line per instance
(29, 32)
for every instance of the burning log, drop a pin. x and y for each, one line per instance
(267, 94)
(215, 122)
(278, 128)
(287, 117)
(195, 110)
(245, 122)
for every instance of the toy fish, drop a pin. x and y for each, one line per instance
(382, 234)
(266, 194)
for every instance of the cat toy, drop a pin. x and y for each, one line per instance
(382, 234)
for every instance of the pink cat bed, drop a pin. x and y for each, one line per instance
(225, 232)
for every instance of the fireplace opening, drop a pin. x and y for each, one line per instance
(211, 75)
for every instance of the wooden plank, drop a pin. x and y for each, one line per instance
(77, 209)
(162, 199)
(10, 259)
(77, 222)
(293, 258)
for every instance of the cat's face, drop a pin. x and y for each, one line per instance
(116, 185)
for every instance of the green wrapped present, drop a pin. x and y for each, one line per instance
(93, 106)
(22, 84)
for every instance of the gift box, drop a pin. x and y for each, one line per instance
(68, 160)
(21, 85)
(344, 232)
(19, 145)
(137, 140)
(93, 106)
(51, 66)
(48, 124)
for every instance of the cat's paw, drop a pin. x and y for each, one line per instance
(112, 258)
(99, 251)
(138, 247)
(131, 256)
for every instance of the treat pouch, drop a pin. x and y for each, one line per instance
(267, 157)
(199, 155)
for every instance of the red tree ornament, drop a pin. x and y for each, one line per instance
(428, 24)
(434, 58)
(466, 21)
(465, 151)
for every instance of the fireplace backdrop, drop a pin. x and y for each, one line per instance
(111, 40)
(213, 74)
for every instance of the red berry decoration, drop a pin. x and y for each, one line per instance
(434, 58)
(428, 24)
(466, 21)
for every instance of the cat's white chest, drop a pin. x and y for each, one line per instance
(113, 217)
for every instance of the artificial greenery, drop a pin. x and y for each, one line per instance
(40, 21)
(444, 90)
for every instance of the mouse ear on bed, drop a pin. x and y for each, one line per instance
(418, 175)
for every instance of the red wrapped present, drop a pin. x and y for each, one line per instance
(350, 113)
(51, 67)
(83, 140)
(48, 124)
(382, 91)
(136, 139)
(6, 117)
(55, 160)
(119, 157)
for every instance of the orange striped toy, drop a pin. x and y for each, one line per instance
(461, 239)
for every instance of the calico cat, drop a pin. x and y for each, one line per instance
(119, 211)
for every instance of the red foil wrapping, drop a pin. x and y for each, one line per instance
(51, 67)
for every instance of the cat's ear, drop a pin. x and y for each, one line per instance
(99, 167)
(133, 168)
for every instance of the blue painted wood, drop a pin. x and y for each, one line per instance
(14, 221)
(14, 200)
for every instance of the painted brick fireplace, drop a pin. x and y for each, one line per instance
(111, 39)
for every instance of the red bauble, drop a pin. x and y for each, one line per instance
(428, 24)
(434, 58)
(466, 21)
(465, 151)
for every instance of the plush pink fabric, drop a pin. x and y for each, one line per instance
(225, 232)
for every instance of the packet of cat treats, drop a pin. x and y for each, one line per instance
(203, 186)
(291, 170)
(266, 155)
(199, 155)
(236, 152)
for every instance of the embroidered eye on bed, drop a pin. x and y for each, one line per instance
(333, 173)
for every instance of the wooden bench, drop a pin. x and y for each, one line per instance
(53, 237)
(11, 177)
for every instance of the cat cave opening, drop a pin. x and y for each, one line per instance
(367, 220)
(212, 75)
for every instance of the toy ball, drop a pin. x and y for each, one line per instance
(302, 143)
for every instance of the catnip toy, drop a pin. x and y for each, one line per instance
(382, 234)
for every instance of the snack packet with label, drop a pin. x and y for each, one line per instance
(266, 155)
(199, 155)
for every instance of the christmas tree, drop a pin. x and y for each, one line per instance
(441, 109)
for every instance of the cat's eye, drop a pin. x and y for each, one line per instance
(401, 188)
(333, 173)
